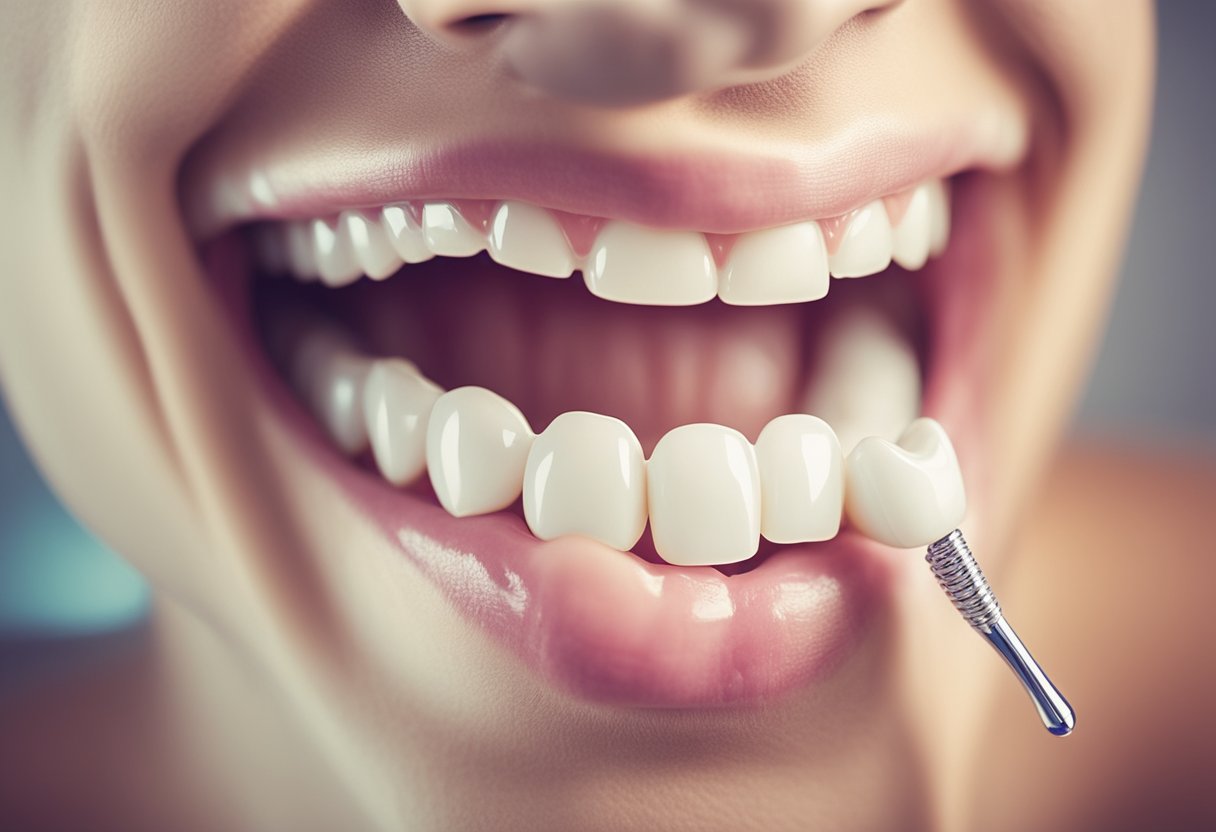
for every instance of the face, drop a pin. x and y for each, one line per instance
(250, 249)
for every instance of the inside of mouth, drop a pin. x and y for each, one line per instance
(549, 346)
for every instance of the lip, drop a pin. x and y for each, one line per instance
(703, 189)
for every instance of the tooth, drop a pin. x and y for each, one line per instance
(777, 265)
(329, 373)
(801, 480)
(447, 233)
(633, 264)
(704, 496)
(866, 378)
(373, 252)
(334, 252)
(939, 217)
(397, 403)
(300, 257)
(586, 475)
(476, 448)
(906, 494)
(911, 236)
(528, 238)
(865, 247)
(404, 234)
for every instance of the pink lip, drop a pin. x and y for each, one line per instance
(705, 190)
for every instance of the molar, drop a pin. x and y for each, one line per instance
(788, 264)
(397, 404)
(329, 374)
(704, 496)
(865, 245)
(334, 253)
(369, 241)
(633, 264)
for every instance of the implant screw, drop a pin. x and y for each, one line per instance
(964, 583)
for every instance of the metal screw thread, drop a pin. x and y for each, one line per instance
(963, 581)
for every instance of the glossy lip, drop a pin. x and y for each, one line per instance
(606, 626)
(698, 189)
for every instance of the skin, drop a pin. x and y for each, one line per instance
(285, 687)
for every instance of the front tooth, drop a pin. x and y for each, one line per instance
(939, 217)
(911, 237)
(476, 448)
(300, 257)
(334, 253)
(909, 493)
(404, 234)
(633, 264)
(777, 265)
(704, 496)
(397, 403)
(865, 247)
(801, 480)
(528, 238)
(447, 233)
(373, 252)
(586, 476)
(866, 378)
(330, 373)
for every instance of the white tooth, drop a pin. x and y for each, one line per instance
(528, 238)
(373, 252)
(476, 448)
(330, 373)
(801, 480)
(911, 246)
(704, 496)
(300, 257)
(907, 494)
(586, 476)
(939, 217)
(865, 247)
(397, 403)
(404, 234)
(633, 264)
(334, 252)
(866, 378)
(447, 233)
(270, 248)
(777, 265)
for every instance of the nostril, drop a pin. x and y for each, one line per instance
(478, 24)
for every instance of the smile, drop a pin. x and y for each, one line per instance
(642, 481)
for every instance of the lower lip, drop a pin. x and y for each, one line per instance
(608, 627)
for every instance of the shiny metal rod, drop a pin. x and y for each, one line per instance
(964, 583)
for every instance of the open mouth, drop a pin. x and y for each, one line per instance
(622, 449)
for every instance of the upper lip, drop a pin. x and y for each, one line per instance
(704, 189)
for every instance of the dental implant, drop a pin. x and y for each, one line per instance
(964, 583)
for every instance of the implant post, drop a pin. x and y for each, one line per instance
(964, 583)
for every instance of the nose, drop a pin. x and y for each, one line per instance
(631, 52)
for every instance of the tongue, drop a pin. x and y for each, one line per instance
(549, 346)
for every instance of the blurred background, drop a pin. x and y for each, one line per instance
(1155, 376)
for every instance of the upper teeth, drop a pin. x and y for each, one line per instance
(708, 493)
(628, 263)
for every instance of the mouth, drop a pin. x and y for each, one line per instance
(617, 448)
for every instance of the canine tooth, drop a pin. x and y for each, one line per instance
(477, 445)
(586, 475)
(330, 373)
(447, 233)
(301, 260)
(334, 252)
(404, 234)
(633, 264)
(528, 238)
(939, 217)
(801, 480)
(373, 252)
(704, 496)
(866, 380)
(865, 247)
(911, 237)
(906, 494)
(777, 265)
(397, 403)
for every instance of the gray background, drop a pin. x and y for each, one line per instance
(1155, 372)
